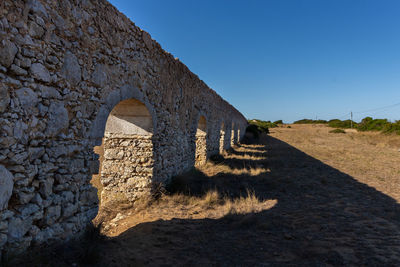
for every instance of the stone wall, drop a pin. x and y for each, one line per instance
(201, 149)
(64, 66)
(127, 168)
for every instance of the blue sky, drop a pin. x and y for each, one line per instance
(285, 59)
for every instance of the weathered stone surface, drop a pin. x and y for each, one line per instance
(36, 7)
(17, 228)
(71, 69)
(40, 72)
(27, 98)
(35, 152)
(8, 50)
(52, 214)
(49, 92)
(35, 30)
(57, 118)
(61, 76)
(4, 97)
(18, 71)
(46, 187)
(99, 76)
(6, 187)
(147, 40)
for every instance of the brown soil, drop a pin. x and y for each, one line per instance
(303, 196)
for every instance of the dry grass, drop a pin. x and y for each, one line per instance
(372, 158)
(196, 194)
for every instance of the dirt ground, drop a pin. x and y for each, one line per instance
(302, 197)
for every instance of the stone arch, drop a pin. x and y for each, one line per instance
(201, 142)
(126, 149)
(97, 129)
(222, 138)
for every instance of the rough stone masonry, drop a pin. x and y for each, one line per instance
(64, 67)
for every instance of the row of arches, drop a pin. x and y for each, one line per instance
(126, 153)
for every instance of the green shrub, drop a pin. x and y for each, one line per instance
(335, 123)
(278, 122)
(370, 124)
(392, 128)
(308, 121)
(337, 131)
(258, 126)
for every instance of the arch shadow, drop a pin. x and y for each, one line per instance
(322, 217)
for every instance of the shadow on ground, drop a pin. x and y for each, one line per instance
(322, 217)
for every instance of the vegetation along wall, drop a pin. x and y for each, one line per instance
(75, 75)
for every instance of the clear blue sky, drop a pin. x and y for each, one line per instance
(285, 59)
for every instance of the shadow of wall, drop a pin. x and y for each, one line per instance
(322, 216)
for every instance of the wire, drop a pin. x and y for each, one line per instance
(375, 109)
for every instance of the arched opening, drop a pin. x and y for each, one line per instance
(126, 153)
(222, 139)
(233, 140)
(201, 142)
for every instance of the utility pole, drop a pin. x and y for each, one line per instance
(351, 119)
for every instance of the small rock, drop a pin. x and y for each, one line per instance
(52, 214)
(58, 119)
(29, 209)
(18, 71)
(8, 50)
(71, 69)
(35, 152)
(18, 227)
(27, 98)
(6, 187)
(49, 92)
(46, 187)
(4, 97)
(99, 76)
(35, 30)
(36, 7)
(40, 72)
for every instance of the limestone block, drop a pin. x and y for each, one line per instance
(4, 97)
(35, 30)
(29, 209)
(6, 187)
(71, 69)
(58, 119)
(99, 76)
(52, 214)
(18, 227)
(46, 187)
(49, 92)
(8, 50)
(18, 71)
(36, 7)
(40, 72)
(25, 197)
(27, 98)
(35, 152)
